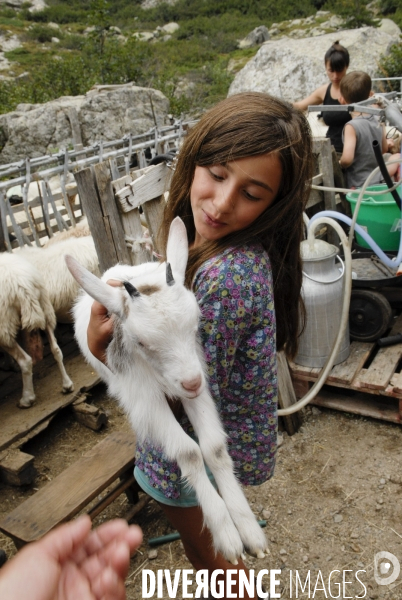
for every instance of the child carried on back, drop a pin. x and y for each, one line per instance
(358, 159)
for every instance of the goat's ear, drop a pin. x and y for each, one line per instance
(107, 295)
(177, 249)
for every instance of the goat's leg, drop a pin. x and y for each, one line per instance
(25, 363)
(177, 445)
(212, 438)
(67, 384)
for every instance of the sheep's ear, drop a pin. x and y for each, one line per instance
(177, 249)
(107, 295)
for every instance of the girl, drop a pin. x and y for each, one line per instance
(240, 185)
(336, 61)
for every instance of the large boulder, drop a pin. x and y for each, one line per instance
(105, 113)
(258, 36)
(292, 69)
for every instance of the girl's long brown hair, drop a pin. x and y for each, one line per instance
(242, 125)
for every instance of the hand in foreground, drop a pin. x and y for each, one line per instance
(73, 563)
(100, 327)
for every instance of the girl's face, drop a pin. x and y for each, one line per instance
(335, 76)
(228, 198)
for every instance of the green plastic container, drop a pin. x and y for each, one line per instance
(379, 215)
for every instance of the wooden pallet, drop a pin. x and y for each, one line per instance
(19, 426)
(66, 495)
(373, 373)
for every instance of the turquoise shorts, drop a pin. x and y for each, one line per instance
(187, 496)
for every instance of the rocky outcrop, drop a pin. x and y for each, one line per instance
(160, 34)
(104, 113)
(35, 5)
(292, 69)
(155, 3)
(258, 36)
(8, 41)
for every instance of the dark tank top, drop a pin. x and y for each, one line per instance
(335, 121)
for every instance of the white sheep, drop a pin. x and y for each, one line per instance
(155, 354)
(25, 304)
(49, 261)
(80, 230)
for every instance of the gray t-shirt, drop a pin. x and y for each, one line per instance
(367, 129)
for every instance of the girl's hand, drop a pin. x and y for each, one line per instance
(100, 327)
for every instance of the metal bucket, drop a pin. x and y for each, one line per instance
(322, 292)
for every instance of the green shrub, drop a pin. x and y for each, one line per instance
(354, 11)
(40, 33)
(72, 41)
(391, 66)
(61, 13)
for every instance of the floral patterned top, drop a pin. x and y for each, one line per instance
(238, 332)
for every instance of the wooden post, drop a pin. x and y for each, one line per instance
(286, 394)
(322, 147)
(144, 188)
(110, 210)
(97, 198)
(3, 247)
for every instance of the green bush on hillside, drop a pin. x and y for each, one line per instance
(354, 11)
(41, 33)
(392, 9)
(391, 66)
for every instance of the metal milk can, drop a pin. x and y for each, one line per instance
(322, 292)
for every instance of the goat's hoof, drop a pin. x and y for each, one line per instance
(258, 553)
(26, 403)
(68, 388)
(234, 561)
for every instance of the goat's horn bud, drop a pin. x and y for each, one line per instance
(131, 290)
(169, 275)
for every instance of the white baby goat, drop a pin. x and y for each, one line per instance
(155, 354)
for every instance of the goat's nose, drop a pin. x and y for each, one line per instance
(192, 385)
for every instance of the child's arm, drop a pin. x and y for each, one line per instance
(316, 97)
(349, 146)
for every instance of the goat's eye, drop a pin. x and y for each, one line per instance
(140, 344)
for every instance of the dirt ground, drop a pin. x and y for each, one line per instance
(334, 502)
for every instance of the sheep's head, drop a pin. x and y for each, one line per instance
(156, 322)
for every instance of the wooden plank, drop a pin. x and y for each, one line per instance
(322, 148)
(286, 394)
(346, 371)
(314, 198)
(377, 407)
(99, 226)
(17, 468)
(17, 423)
(396, 383)
(89, 415)
(152, 183)
(110, 211)
(132, 226)
(384, 365)
(306, 373)
(68, 493)
(3, 246)
(154, 211)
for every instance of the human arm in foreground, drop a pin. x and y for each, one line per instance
(73, 562)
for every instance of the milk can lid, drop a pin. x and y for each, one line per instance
(317, 249)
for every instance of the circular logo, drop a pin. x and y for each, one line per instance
(386, 568)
